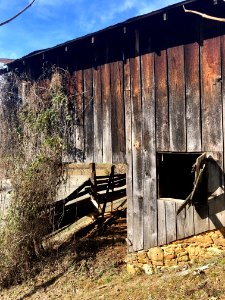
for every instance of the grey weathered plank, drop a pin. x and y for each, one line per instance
(170, 208)
(162, 104)
(149, 152)
(212, 136)
(176, 98)
(201, 221)
(161, 222)
(181, 221)
(128, 128)
(106, 114)
(216, 200)
(98, 134)
(189, 229)
(137, 145)
(88, 115)
(193, 113)
(79, 116)
(185, 221)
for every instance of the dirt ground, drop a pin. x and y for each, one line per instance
(92, 267)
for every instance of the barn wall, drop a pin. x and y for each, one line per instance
(156, 85)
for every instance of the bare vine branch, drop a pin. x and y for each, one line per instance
(19, 13)
(205, 16)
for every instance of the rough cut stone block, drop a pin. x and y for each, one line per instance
(134, 269)
(156, 254)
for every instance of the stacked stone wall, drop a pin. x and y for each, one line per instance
(190, 250)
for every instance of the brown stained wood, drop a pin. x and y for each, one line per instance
(170, 209)
(137, 148)
(88, 115)
(212, 137)
(161, 223)
(79, 116)
(98, 132)
(193, 105)
(162, 105)
(149, 153)
(106, 114)
(176, 99)
(128, 128)
(118, 130)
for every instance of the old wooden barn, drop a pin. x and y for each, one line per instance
(151, 94)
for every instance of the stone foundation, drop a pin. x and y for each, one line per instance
(181, 252)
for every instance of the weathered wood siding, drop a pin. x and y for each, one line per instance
(145, 88)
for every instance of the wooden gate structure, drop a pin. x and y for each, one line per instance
(150, 92)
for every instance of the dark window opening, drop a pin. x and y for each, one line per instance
(175, 174)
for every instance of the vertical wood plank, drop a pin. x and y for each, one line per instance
(193, 113)
(137, 147)
(149, 153)
(223, 86)
(98, 134)
(176, 98)
(162, 105)
(88, 115)
(181, 221)
(79, 116)
(212, 138)
(106, 117)
(170, 208)
(161, 223)
(189, 229)
(129, 174)
(216, 200)
(201, 220)
(118, 130)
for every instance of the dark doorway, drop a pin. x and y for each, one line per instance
(175, 174)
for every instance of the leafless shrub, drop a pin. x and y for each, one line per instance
(35, 119)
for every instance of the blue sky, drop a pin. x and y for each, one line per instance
(51, 22)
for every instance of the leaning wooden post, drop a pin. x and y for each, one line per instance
(94, 183)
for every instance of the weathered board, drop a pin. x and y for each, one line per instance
(162, 104)
(212, 133)
(128, 123)
(97, 98)
(193, 113)
(118, 130)
(176, 99)
(137, 147)
(106, 114)
(88, 115)
(149, 151)
(79, 116)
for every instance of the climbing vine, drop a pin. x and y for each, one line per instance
(36, 119)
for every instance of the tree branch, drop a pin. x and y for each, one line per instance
(205, 16)
(19, 13)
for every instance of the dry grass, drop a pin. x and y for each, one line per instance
(94, 268)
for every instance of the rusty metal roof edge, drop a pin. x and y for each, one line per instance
(126, 22)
